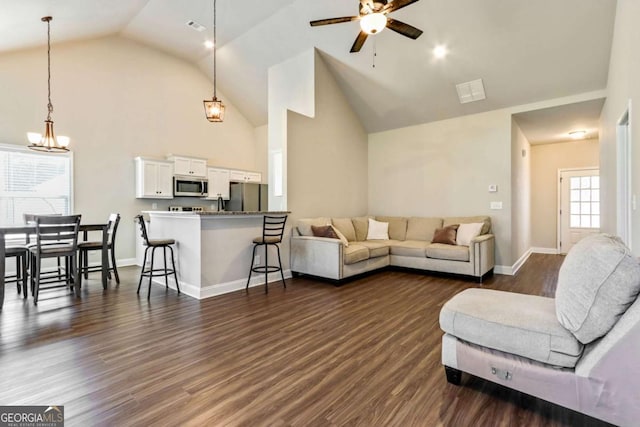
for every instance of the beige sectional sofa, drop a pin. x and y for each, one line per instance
(409, 246)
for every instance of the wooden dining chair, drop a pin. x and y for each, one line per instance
(18, 250)
(108, 241)
(56, 236)
(60, 270)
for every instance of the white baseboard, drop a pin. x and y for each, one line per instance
(503, 269)
(550, 251)
(125, 262)
(221, 288)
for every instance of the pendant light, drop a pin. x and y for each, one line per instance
(214, 109)
(48, 143)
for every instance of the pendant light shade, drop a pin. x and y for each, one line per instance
(214, 109)
(48, 143)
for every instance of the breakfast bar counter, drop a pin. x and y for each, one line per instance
(213, 249)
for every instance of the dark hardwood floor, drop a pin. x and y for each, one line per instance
(366, 353)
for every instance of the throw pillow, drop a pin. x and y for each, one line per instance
(324, 231)
(343, 239)
(467, 232)
(446, 235)
(378, 230)
(599, 279)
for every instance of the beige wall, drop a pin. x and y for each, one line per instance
(520, 192)
(546, 159)
(327, 155)
(623, 86)
(444, 169)
(118, 99)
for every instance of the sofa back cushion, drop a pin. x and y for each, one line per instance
(486, 220)
(304, 225)
(397, 226)
(422, 228)
(361, 225)
(345, 226)
(599, 279)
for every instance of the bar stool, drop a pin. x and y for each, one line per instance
(20, 252)
(153, 244)
(272, 231)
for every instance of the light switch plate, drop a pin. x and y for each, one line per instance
(493, 188)
(496, 205)
(154, 206)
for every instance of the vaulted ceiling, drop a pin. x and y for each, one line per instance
(525, 51)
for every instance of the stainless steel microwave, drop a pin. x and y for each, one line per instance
(188, 186)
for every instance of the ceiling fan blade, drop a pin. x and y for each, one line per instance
(333, 20)
(357, 45)
(397, 4)
(404, 29)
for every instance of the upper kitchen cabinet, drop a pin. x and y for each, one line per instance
(218, 183)
(244, 176)
(189, 166)
(154, 179)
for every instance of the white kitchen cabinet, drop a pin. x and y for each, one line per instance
(244, 176)
(189, 166)
(218, 183)
(154, 179)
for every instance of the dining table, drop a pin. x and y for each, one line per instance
(29, 229)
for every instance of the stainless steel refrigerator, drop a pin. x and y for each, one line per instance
(247, 197)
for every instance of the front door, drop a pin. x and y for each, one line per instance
(579, 206)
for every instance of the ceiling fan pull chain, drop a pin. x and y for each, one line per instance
(375, 53)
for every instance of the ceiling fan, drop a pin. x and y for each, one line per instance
(373, 19)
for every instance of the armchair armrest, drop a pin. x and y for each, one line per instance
(482, 251)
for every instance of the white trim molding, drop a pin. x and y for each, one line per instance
(549, 251)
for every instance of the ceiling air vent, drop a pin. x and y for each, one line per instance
(471, 91)
(193, 24)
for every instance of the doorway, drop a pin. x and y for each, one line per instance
(579, 201)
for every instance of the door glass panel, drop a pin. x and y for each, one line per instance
(585, 221)
(595, 208)
(585, 182)
(595, 195)
(575, 208)
(585, 208)
(585, 195)
(575, 182)
(595, 221)
(575, 221)
(595, 181)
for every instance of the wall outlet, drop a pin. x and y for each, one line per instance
(154, 206)
(213, 207)
(256, 260)
(493, 188)
(495, 205)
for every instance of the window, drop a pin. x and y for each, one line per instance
(32, 182)
(585, 201)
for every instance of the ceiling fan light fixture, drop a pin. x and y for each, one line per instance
(440, 51)
(373, 23)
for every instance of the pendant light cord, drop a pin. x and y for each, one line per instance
(49, 105)
(215, 47)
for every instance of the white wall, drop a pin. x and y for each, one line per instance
(520, 192)
(546, 159)
(118, 99)
(327, 154)
(623, 86)
(444, 169)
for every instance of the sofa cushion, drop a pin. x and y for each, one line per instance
(486, 220)
(599, 279)
(414, 248)
(450, 252)
(422, 228)
(304, 225)
(520, 324)
(355, 253)
(361, 225)
(397, 226)
(378, 230)
(345, 226)
(446, 235)
(376, 248)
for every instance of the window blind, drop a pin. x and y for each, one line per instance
(33, 183)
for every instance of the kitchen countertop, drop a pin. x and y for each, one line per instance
(216, 213)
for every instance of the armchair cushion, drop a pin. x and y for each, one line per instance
(525, 325)
(599, 279)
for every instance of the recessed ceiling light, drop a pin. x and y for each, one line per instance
(208, 44)
(440, 51)
(578, 134)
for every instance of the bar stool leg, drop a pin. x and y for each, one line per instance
(25, 275)
(144, 263)
(281, 271)
(175, 274)
(153, 251)
(166, 276)
(266, 268)
(253, 257)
